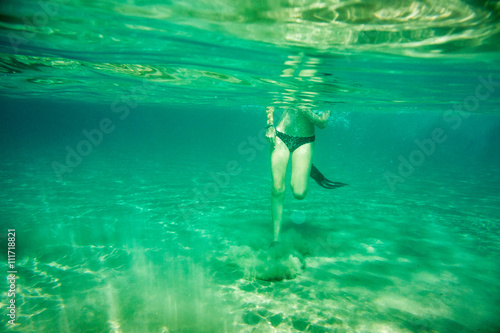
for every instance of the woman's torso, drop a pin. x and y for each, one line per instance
(294, 123)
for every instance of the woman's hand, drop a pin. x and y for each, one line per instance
(323, 119)
(271, 135)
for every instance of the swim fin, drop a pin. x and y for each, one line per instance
(322, 181)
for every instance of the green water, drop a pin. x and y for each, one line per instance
(121, 123)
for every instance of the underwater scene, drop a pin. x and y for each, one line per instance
(146, 186)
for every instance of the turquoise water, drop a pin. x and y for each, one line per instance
(135, 173)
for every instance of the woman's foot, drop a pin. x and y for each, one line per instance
(274, 244)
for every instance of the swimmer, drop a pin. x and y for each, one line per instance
(293, 136)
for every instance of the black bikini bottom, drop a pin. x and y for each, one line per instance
(294, 142)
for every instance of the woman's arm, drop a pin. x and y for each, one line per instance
(271, 131)
(318, 120)
(270, 115)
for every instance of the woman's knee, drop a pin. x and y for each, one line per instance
(278, 190)
(300, 194)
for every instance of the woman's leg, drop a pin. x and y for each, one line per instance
(301, 168)
(279, 162)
